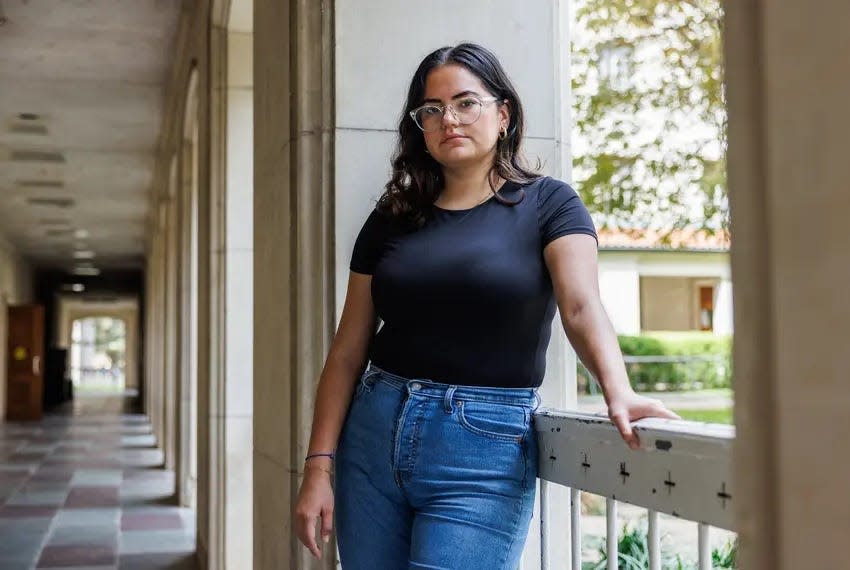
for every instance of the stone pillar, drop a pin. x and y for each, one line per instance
(788, 75)
(231, 421)
(293, 272)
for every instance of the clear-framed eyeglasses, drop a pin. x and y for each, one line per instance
(429, 117)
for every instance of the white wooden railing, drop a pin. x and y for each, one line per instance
(682, 469)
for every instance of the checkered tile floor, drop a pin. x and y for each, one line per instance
(84, 489)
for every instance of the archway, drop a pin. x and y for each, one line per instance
(98, 355)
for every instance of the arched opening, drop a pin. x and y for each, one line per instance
(98, 356)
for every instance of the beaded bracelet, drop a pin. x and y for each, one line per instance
(331, 455)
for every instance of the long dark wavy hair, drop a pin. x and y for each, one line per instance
(417, 178)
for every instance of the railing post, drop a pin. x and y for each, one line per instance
(654, 541)
(575, 528)
(612, 534)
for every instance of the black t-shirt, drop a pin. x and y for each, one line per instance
(467, 299)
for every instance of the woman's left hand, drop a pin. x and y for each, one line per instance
(629, 407)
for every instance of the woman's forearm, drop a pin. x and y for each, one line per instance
(333, 397)
(593, 337)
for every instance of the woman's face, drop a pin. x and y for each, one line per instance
(454, 144)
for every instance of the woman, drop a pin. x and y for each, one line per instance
(463, 259)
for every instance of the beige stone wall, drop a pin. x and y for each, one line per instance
(788, 74)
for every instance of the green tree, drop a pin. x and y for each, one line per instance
(650, 113)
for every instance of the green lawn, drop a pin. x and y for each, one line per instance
(719, 416)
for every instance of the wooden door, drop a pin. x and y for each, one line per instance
(706, 308)
(25, 356)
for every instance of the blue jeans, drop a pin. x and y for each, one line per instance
(436, 476)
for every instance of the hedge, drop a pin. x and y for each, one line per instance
(707, 361)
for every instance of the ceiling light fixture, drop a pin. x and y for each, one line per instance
(84, 254)
(90, 271)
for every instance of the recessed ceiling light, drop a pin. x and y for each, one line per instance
(40, 183)
(28, 129)
(86, 271)
(51, 202)
(75, 287)
(58, 232)
(27, 155)
(84, 254)
(81, 234)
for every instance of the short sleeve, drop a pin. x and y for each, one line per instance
(560, 212)
(369, 244)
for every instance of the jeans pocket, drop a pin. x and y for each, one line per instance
(504, 422)
(366, 382)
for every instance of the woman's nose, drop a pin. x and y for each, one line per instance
(449, 117)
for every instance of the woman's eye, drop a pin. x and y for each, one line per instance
(431, 110)
(467, 103)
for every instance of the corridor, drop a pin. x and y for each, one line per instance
(85, 488)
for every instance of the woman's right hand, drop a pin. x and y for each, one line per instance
(315, 499)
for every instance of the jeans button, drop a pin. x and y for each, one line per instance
(415, 386)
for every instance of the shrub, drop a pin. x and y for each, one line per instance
(633, 554)
(706, 361)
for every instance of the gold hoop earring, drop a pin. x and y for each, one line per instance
(503, 133)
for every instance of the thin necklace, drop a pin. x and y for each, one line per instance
(489, 195)
(464, 213)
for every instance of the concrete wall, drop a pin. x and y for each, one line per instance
(15, 288)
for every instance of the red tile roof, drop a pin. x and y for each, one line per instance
(684, 239)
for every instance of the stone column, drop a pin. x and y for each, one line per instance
(788, 75)
(293, 272)
(231, 421)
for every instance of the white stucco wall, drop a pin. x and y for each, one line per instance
(619, 287)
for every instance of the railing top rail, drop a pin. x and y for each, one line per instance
(682, 468)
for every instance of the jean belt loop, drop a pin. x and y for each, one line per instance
(447, 401)
(539, 399)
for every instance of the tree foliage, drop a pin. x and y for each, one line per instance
(650, 113)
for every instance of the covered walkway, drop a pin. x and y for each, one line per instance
(198, 170)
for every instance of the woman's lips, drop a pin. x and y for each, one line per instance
(454, 138)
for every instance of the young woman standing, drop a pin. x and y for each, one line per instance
(464, 259)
